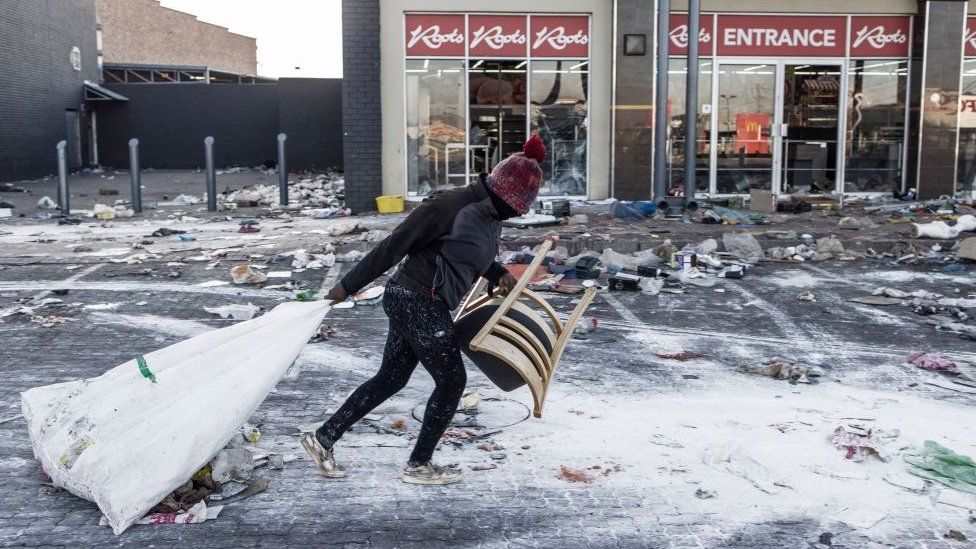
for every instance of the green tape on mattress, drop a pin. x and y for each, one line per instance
(144, 370)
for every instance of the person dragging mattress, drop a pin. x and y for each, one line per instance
(449, 241)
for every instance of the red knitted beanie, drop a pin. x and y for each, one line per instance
(516, 179)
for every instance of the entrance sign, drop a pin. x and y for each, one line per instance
(765, 36)
(435, 35)
(679, 35)
(498, 36)
(880, 36)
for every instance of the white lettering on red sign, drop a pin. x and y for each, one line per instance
(494, 37)
(679, 36)
(877, 38)
(433, 38)
(557, 38)
(970, 40)
(791, 38)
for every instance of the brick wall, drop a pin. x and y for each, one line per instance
(37, 80)
(361, 115)
(142, 31)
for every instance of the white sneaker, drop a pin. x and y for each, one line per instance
(430, 474)
(325, 459)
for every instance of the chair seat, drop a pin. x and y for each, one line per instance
(505, 376)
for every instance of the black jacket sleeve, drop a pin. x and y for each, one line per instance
(423, 226)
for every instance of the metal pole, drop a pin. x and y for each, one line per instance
(63, 202)
(691, 104)
(282, 172)
(135, 175)
(211, 174)
(660, 183)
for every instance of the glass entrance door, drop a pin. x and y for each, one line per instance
(810, 127)
(497, 95)
(743, 151)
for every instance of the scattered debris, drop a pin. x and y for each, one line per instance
(933, 362)
(807, 296)
(574, 475)
(683, 356)
(956, 535)
(780, 368)
(742, 246)
(246, 274)
(701, 493)
(859, 442)
(940, 464)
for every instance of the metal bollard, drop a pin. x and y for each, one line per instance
(211, 175)
(135, 174)
(63, 202)
(282, 172)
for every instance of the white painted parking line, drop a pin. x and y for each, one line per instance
(623, 311)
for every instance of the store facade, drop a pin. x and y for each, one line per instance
(826, 99)
(788, 103)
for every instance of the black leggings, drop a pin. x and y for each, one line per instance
(420, 329)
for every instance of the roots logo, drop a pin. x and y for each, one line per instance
(877, 38)
(679, 36)
(495, 38)
(558, 39)
(433, 38)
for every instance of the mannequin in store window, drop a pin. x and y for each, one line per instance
(449, 241)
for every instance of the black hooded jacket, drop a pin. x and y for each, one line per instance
(449, 241)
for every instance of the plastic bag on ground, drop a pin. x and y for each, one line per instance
(938, 463)
(742, 246)
(129, 437)
(625, 262)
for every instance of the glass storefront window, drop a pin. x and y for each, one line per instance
(746, 108)
(966, 177)
(877, 91)
(496, 92)
(559, 115)
(436, 124)
(677, 74)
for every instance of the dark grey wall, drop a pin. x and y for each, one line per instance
(37, 81)
(172, 120)
(361, 118)
(310, 112)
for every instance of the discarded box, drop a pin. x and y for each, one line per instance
(761, 200)
(624, 282)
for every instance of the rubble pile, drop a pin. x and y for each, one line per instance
(322, 197)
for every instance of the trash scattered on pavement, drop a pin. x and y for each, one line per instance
(683, 356)
(780, 368)
(807, 296)
(940, 464)
(246, 274)
(859, 442)
(574, 475)
(931, 361)
(46, 203)
(701, 493)
(956, 535)
(743, 246)
(731, 459)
